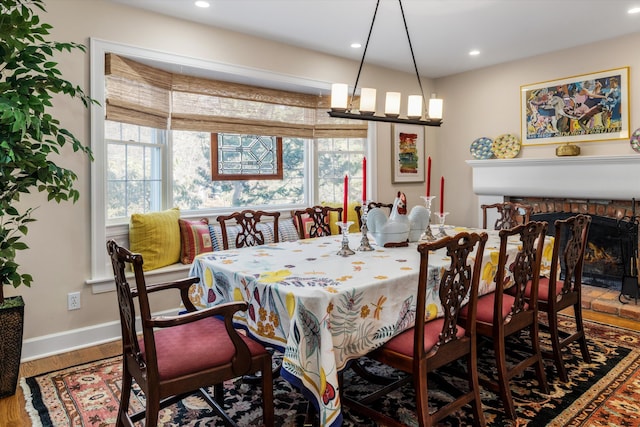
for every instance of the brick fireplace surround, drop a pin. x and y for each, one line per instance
(616, 209)
(603, 186)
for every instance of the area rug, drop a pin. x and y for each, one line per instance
(605, 392)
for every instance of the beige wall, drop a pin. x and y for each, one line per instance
(481, 103)
(487, 103)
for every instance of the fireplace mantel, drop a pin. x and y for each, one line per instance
(588, 177)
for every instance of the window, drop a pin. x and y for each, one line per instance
(134, 169)
(193, 188)
(235, 157)
(335, 157)
(156, 139)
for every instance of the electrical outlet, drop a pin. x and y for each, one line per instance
(73, 300)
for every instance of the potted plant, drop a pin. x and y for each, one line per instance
(30, 139)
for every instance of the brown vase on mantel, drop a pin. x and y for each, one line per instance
(567, 149)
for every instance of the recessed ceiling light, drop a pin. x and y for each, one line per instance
(474, 52)
(634, 10)
(356, 45)
(202, 3)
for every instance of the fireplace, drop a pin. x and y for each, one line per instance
(601, 186)
(610, 255)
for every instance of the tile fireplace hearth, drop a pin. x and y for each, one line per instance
(607, 301)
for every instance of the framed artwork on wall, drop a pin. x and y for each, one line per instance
(407, 153)
(583, 108)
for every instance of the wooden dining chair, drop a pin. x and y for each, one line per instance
(315, 221)
(432, 344)
(370, 206)
(506, 312)
(509, 214)
(560, 291)
(249, 233)
(176, 356)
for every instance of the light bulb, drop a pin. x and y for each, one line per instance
(435, 107)
(339, 95)
(367, 101)
(414, 107)
(392, 104)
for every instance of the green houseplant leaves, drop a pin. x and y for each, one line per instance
(30, 136)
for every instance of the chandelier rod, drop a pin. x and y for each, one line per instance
(413, 57)
(364, 53)
(366, 45)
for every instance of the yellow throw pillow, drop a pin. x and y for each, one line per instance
(351, 216)
(156, 236)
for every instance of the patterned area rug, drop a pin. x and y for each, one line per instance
(605, 392)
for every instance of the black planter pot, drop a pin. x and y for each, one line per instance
(11, 328)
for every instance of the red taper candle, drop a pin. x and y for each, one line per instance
(346, 198)
(441, 194)
(364, 180)
(429, 176)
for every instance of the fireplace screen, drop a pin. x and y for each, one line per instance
(611, 249)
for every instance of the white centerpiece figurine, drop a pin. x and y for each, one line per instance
(419, 221)
(398, 228)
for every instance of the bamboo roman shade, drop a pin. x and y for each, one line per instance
(146, 96)
(136, 93)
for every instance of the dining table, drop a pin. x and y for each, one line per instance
(323, 310)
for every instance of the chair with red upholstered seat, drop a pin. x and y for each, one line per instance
(176, 356)
(432, 344)
(506, 312)
(555, 295)
(510, 214)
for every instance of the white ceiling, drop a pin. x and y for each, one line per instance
(442, 31)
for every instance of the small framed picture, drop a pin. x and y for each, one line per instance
(407, 153)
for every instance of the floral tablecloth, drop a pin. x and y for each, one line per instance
(322, 309)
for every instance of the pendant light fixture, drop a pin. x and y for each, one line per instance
(342, 106)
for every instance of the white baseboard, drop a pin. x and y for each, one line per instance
(75, 339)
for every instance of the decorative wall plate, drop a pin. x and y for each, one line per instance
(506, 146)
(635, 140)
(481, 148)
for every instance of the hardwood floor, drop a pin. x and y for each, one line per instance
(611, 319)
(12, 409)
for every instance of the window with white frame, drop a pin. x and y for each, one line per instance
(135, 155)
(334, 158)
(158, 156)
